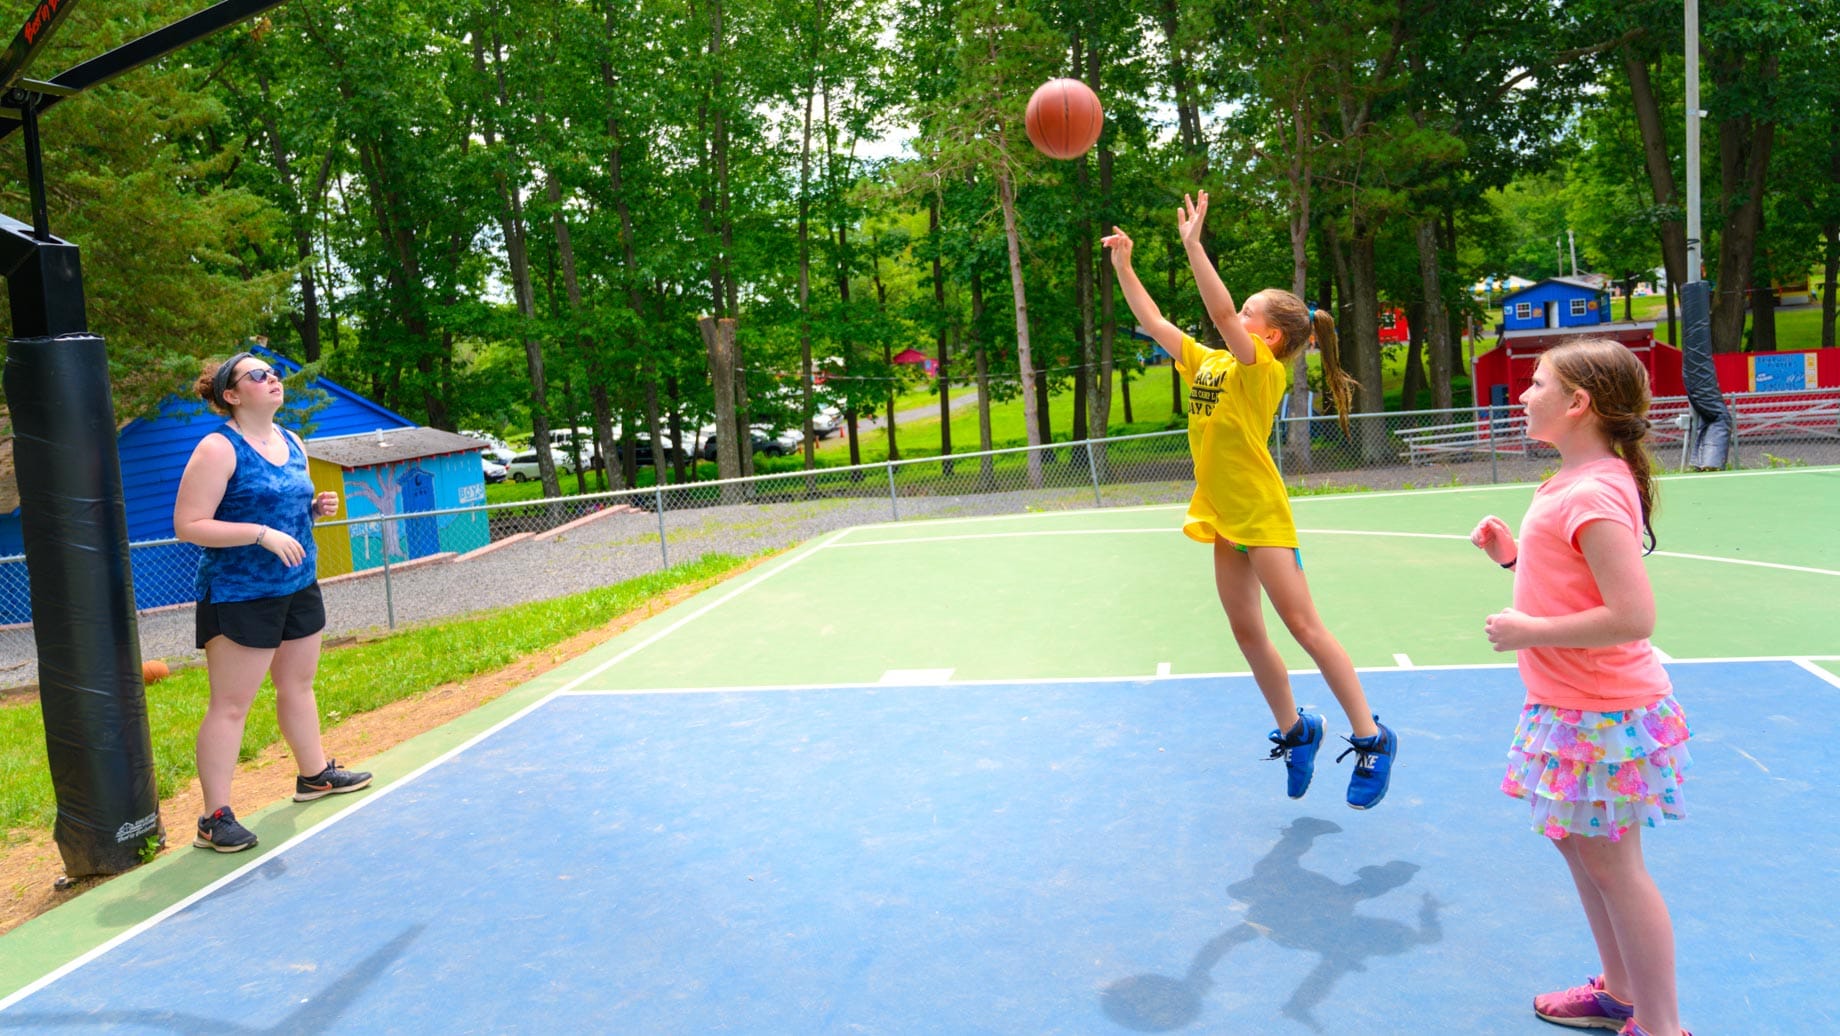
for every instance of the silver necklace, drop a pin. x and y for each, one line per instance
(259, 442)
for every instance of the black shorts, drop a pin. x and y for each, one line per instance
(264, 622)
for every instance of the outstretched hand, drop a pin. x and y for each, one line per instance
(1190, 216)
(1120, 244)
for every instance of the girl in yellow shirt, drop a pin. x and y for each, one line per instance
(1240, 505)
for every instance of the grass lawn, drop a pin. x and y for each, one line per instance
(352, 679)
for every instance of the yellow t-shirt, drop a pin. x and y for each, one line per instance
(1239, 495)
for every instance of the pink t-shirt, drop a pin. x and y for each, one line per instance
(1551, 578)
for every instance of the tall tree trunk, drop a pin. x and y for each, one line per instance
(1830, 280)
(1415, 351)
(881, 309)
(1296, 433)
(1031, 407)
(732, 440)
(805, 371)
(847, 345)
(941, 339)
(1763, 310)
(633, 276)
(986, 469)
(1437, 324)
(1744, 161)
(517, 254)
(605, 442)
(1099, 403)
(1660, 173)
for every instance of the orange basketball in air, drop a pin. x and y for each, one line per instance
(1064, 118)
(153, 671)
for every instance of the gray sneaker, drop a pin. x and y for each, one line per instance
(330, 781)
(221, 832)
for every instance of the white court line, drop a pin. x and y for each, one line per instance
(1754, 760)
(615, 692)
(364, 802)
(1801, 660)
(1659, 654)
(1403, 661)
(1818, 672)
(1383, 533)
(1743, 561)
(1029, 535)
(1162, 669)
(661, 633)
(916, 677)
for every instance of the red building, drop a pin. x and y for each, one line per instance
(1503, 373)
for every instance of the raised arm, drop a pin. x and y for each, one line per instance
(1168, 336)
(1214, 293)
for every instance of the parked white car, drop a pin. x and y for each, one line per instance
(828, 421)
(523, 467)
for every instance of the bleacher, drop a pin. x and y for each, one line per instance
(1756, 417)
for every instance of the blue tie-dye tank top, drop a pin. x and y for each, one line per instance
(261, 492)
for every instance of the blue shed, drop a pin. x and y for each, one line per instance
(1556, 302)
(407, 471)
(154, 450)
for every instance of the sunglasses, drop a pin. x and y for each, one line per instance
(259, 375)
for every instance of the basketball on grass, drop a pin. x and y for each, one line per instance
(153, 671)
(1064, 118)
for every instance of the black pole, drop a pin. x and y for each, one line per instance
(35, 164)
(75, 528)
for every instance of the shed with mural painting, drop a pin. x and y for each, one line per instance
(398, 471)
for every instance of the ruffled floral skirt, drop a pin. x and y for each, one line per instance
(1600, 773)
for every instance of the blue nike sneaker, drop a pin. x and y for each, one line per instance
(1373, 766)
(1298, 747)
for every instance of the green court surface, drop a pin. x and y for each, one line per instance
(1747, 566)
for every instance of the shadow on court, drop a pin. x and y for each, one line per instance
(320, 1013)
(1295, 908)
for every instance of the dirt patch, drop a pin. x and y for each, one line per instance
(29, 862)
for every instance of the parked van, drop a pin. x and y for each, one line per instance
(560, 438)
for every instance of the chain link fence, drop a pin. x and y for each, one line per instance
(548, 548)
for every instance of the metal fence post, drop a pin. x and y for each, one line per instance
(663, 551)
(1092, 464)
(894, 506)
(389, 600)
(1277, 437)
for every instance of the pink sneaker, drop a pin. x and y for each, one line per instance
(1585, 1007)
(1630, 1028)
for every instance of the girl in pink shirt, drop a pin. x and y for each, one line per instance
(1601, 748)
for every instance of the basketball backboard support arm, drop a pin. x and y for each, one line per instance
(106, 66)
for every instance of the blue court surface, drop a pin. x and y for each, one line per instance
(1068, 857)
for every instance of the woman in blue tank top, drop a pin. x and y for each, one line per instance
(246, 499)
